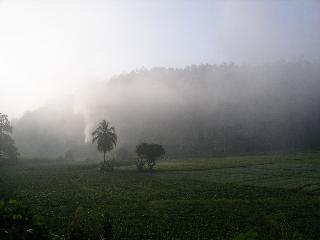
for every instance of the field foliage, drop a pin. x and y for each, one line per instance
(271, 196)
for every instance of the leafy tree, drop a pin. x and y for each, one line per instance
(7, 148)
(106, 139)
(16, 222)
(148, 153)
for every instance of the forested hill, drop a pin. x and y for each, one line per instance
(198, 110)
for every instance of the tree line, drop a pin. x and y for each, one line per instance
(199, 110)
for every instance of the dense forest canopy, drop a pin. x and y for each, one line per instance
(199, 110)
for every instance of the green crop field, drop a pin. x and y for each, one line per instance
(277, 196)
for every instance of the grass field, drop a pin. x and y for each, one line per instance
(278, 196)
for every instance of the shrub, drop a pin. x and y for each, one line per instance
(17, 223)
(148, 153)
(250, 235)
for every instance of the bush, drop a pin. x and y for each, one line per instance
(250, 235)
(148, 153)
(17, 223)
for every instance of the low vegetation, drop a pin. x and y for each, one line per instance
(256, 197)
(18, 223)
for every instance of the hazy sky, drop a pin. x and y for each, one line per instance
(52, 48)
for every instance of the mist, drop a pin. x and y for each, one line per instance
(200, 110)
(184, 119)
(52, 49)
(204, 69)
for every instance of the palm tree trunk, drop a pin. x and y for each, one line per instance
(104, 157)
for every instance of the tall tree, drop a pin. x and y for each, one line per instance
(7, 148)
(105, 137)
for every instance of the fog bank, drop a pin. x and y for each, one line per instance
(198, 110)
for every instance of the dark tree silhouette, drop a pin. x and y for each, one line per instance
(148, 153)
(105, 137)
(7, 149)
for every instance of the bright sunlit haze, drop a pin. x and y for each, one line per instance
(50, 49)
(159, 119)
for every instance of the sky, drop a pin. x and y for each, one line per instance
(49, 49)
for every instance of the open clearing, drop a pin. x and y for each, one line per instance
(210, 198)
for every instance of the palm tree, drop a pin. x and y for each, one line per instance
(106, 138)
